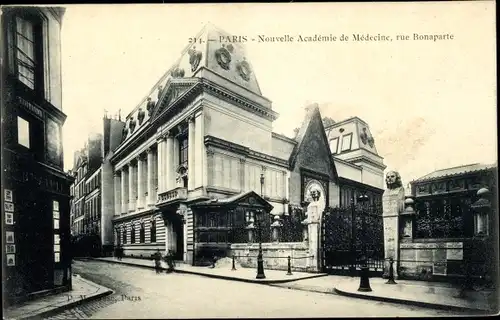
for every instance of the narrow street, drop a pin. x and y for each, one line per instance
(140, 293)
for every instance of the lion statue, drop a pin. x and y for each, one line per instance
(393, 180)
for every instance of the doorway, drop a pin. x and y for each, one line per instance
(178, 229)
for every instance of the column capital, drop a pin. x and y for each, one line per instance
(243, 160)
(190, 118)
(117, 173)
(149, 150)
(160, 138)
(124, 168)
(140, 157)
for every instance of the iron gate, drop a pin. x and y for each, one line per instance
(349, 236)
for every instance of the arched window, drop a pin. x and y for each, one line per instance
(142, 236)
(153, 230)
(132, 234)
(124, 236)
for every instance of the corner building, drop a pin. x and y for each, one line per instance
(199, 158)
(35, 189)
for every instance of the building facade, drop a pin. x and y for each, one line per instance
(35, 189)
(90, 217)
(443, 232)
(199, 161)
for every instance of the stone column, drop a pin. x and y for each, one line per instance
(176, 156)
(393, 204)
(242, 174)
(161, 166)
(131, 187)
(169, 165)
(313, 225)
(124, 189)
(140, 182)
(191, 151)
(150, 178)
(118, 190)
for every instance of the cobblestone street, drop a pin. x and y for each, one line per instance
(140, 293)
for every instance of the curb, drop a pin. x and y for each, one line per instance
(409, 302)
(69, 305)
(215, 276)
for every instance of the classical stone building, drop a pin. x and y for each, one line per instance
(200, 171)
(35, 189)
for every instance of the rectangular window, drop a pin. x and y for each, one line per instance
(346, 142)
(334, 145)
(23, 132)
(25, 52)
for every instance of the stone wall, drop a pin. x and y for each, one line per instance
(274, 255)
(430, 260)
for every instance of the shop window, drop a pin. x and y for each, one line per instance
(56, 217)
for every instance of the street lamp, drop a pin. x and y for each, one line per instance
(258, 218)
(364, 281)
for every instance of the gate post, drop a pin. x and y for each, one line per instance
(393, 204)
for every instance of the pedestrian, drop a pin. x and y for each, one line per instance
(169, 259)
(157, 259)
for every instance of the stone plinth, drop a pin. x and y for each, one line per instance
(393, 204)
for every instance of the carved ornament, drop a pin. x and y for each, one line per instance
(178, 73)
(223, 57)
(244, 70)
(194, 58)
(150, 106)
(140, 115)
(366, 138)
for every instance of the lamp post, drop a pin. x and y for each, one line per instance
(259, 216)
(364, 281)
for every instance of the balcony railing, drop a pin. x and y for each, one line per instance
(176, 194)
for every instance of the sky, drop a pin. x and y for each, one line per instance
(429, 104)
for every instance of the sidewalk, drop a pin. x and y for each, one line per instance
(417, 293)
(82, 291)
(223, 272)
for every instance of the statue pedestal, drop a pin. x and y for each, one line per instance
(313, 233)
(393, 204)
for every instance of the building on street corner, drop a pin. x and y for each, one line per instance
(200, 172)
(35, 189)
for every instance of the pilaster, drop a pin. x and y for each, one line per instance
(150, 177)
(118, 191)
(191, 153)
(124, 189)
(169, 162)
(140, 182)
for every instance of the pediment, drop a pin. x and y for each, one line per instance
(168, 96)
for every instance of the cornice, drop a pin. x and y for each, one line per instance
(354, 183)
(198, 86)
(371, 161)
(283, 138)
(230, 96)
